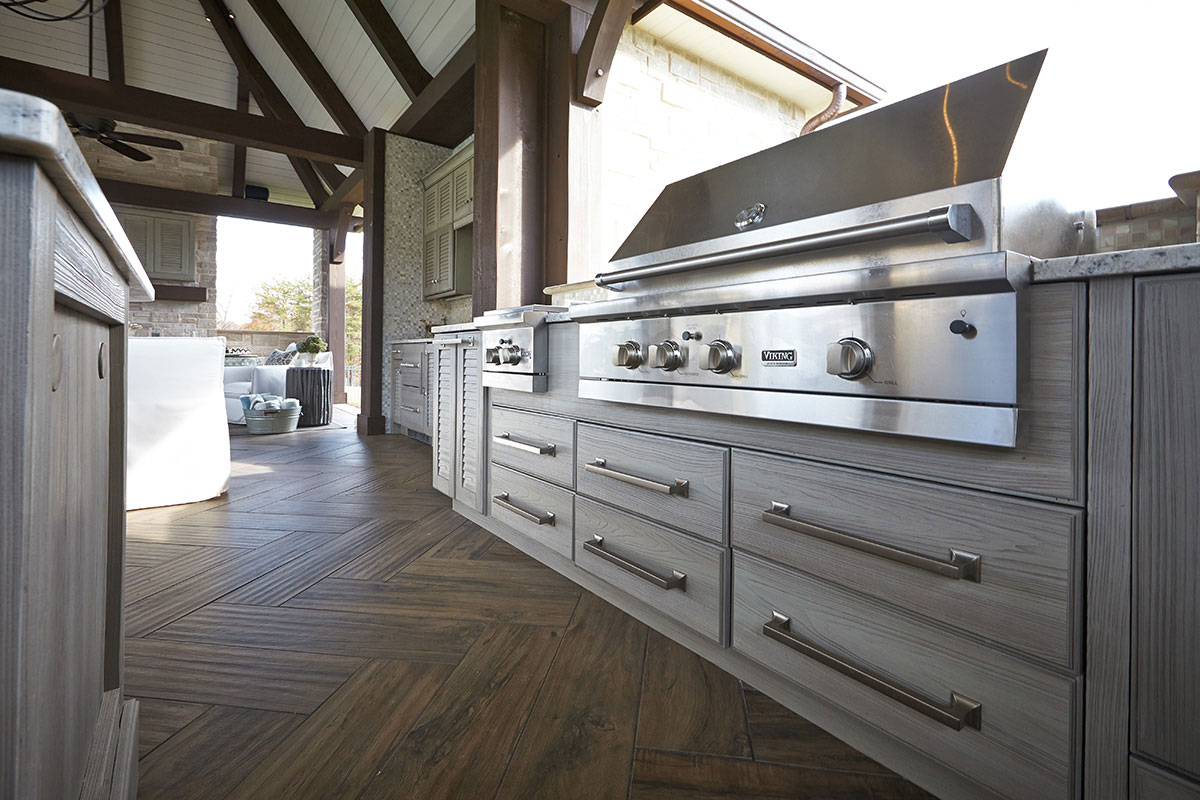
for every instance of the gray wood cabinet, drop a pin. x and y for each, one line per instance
(1165, 713)
(412, 378)
(66, 273)
(459, 422)
(448, 207)
(165, 242)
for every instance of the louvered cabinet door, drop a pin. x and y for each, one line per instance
(464, 190)
(140, 230)
(469, 487)
(174, 254)
(445, 191)
(430, 267)
(445, 406)
(431, 208)
(431, 384)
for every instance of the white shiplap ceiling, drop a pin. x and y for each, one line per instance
(171, 48)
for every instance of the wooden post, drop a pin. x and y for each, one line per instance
(370, 415)
(510, 113)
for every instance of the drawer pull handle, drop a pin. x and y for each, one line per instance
(537, 449)
(961, 566)
(546, 518)
(413, 409)
(960, 710)
(407, 365)
(676, 580)
(679, 488)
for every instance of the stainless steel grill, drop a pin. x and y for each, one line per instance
(871, 275)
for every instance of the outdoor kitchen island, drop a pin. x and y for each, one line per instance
(871, 459)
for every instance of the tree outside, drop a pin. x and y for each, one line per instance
(283, 304)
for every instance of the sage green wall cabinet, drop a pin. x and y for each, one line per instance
(165, 242)
(449, 203)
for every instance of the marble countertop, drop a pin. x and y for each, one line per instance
(34, 128)
(1173, 258)
(412, 341)
(456, 327)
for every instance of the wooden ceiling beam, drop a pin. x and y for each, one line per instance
(598, 48)
(443, 113)
(239, 150)
(114, 41)
(309, 66)
(643, 10)
(167, 199)
(266, 92)
(349, 192)
(74, 92)
(381, 29)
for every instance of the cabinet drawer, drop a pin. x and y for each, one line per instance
(893, 539)
(541, 511)
(1148, 782)
(1023, 743)
(679, 483)
(538, 444)
(410, 408)
(680, 575)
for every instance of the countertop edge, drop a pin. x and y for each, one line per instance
(34, 128)
(1170, 258)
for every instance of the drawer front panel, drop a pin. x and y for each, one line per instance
(538, 444)
(541, 511)
(651, 556)
(1148, 782)
(894, 539)
(409, 361)
(1024, 746)
(680, 483)
(410, 408)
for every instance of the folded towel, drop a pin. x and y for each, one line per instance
(248, 401)
(268, 405)
(291, 402)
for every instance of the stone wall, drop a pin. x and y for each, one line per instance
(194, 169)
(668, 114)
(261, 343)
(406, 314)
(320, 281)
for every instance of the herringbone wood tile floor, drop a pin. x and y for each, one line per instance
(331, 629)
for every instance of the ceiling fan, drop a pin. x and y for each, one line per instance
(104, 131)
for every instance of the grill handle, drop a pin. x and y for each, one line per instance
(952, 223)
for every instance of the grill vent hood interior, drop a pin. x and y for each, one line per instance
(954, 135)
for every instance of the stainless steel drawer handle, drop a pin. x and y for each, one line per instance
(961, 566)
(506, 440)
(413, 409)
(545, 518)
(676, 580)
(679, 488)
(958, 712)
(452, 342)
(407, 365)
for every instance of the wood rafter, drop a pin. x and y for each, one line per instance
(443, 113)
(350, 191)
(167, 199)
(309, 66)
(114, 41)
(381, 29)
(598, 48)
(239, 150)
(75, 92)
(266, 92)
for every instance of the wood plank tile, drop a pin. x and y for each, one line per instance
(461, 742)
(660, 775)
(294, 522)
(140, 553)
(271, 680)
(390, 556)
(581, 730)
(398, 510)
(210, 756)
(512, 571)
(194, 561)
(689, 704)
(159, 720)
(204, 535)
(284, 582)
(336, 750)
(441, 641)
(468, 541)
(150, 613)
(777, 734)
(482, 600)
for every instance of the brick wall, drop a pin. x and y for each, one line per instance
(406, 314)
(195, 169)
(666, 115)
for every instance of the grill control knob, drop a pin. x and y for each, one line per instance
(628, 355)
(849, 358)
(493, 355)
(505, 354)
(721, 357)
(666, 356)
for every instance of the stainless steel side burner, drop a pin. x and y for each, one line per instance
(516, 347)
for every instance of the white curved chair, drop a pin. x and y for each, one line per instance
(177, 437)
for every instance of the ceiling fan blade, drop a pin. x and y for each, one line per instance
(152, 141)
(124, 149)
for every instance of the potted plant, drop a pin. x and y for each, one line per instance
(309, 348)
